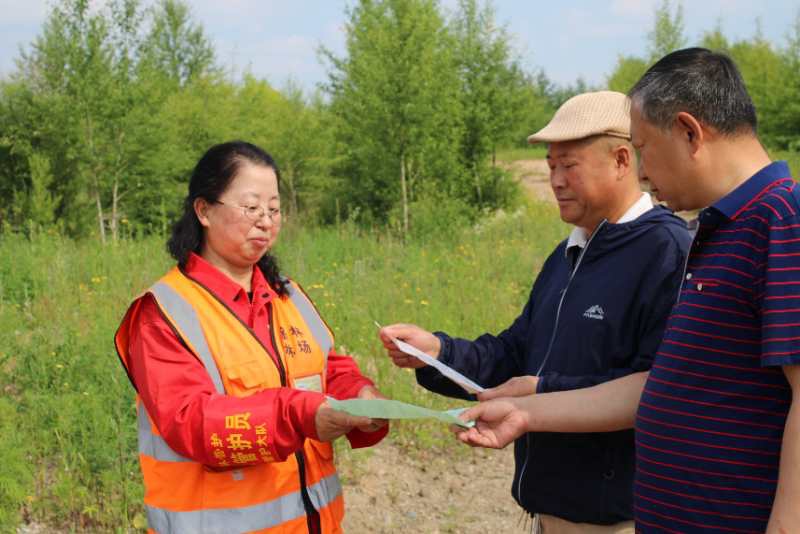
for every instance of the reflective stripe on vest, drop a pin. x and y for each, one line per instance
(318, 329)
(183, 314)
(245, 519)
(153, 445)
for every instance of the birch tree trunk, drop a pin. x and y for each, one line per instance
(114, 203)
(100, 215)
(404, 190)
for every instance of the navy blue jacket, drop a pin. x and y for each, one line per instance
(608, 325)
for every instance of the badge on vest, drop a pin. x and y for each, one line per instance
(309, 383)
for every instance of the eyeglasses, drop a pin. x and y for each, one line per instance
(255, 213)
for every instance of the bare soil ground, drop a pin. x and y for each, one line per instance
(534, 175)
(432, 493)
(467, 492)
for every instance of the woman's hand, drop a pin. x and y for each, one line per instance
(332, 424)
(371, 392)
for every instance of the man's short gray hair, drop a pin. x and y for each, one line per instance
(703, 83)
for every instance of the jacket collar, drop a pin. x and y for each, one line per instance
(579, 236)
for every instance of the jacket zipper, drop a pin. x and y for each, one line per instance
(312, 515)
(552, 340)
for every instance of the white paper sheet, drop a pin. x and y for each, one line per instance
(468, 385)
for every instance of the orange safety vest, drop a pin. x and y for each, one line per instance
(184, 496)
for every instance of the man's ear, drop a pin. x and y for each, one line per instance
(201, 210)
(623, 158)
(690, 130)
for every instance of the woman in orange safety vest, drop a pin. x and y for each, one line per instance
(232, 363)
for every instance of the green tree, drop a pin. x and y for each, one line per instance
(535, 108)
(395, 100)
(493, 89)
(626, 73)
(763, 71)
(176, 46)
(291, 129)
(302, 147)
(787, 121)
(557, 94)
(668, 30)
(71, 71)
(88, 97)
(666, 35)
(715, 39)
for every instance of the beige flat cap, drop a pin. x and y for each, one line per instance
(587, 114)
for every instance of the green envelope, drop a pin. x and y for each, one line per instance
(393, 409)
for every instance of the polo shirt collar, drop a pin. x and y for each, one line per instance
(735, 202)
(221, 285)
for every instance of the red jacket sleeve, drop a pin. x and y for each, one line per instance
(345, 381)
(199, 423)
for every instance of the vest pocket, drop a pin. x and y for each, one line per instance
(247, 376)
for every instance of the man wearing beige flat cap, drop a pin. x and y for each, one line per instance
(596, 312)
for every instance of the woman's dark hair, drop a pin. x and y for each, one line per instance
(211, 177)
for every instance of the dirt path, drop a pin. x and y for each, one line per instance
(430, 493)
(388, 491)
(534, 175)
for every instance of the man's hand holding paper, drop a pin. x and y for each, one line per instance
(413, 335)
(425, 358)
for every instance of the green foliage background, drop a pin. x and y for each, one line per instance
(771, 72)
(109, 108)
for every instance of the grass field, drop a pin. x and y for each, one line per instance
(537, 151)
(66, 409)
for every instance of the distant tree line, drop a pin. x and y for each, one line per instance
(109, 108)
(772, 73)
(108, 111)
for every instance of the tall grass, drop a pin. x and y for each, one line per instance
(68, 452)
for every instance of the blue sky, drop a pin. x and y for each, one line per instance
(278, 39)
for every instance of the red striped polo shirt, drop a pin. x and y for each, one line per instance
(711, 417)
